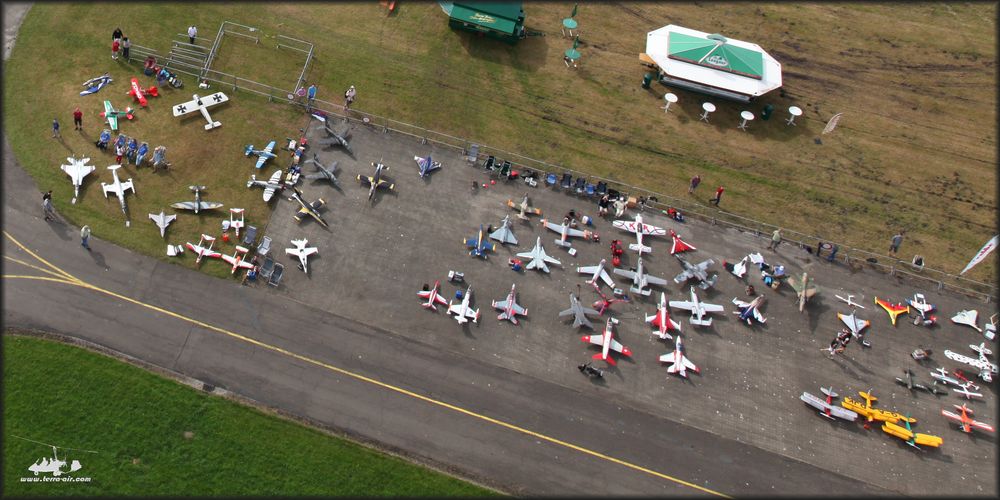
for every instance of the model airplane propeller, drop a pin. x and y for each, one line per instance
(140, 93)
(827, 408)
(270, 186)
(262, 154)
(565, 231)
(640, 229)
(202, 104)
(965, 421)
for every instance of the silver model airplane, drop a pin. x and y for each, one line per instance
(376, 181)
(509, 308)
(426, 165)
(538, 257)
(322, 171)
(853, 322)
(565, 231)
(750, 310)
(911, 384)
(306, 208)
(661, 320)
(968, 394)
(640, 279)
(463, 313)
(967, 318)
(334, 138)
(827, 408)
(804, 288)
(270, 186)
(202, 104)
(302, 252)
(697, 308)
(986, 368)
(504, 234)
(118, 188)
(698, 271)
(197, 205)
(162, 221)
(524, 208)
(679, 363)
(77, 169)
(849, 301)
(941, 375)
(639, 229)
(597, 272)
(579, 313)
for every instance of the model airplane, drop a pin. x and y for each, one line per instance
(967, 318)
(77, 170)
(661, 320)
(234, 223)
(965, 421)
(941, 375)
(909, 437)
(849, 301)
(262, 154)
(640, 279)
(306, 208)
(270, 186)
(607, 343)
(967, 393)
(697, 308)
(564, 231)
(302, 252)
(202, 104)
(334, 138)
(750, 310)
(95, 84)
(426, 165)
(826, 408)
(118, 188)
(679, 245)
(679, 363)
(432, 296)
(504, 234)
(463, 313)
(919, 303)
(986, 368)
(698, 271)
(197, 205)
(202, 250)
(525, 210)
(911, 384)
(639, 229)
(740, 268)
(804, 288)
(539, 259)
(323, 172)
(509, 307)
(162, 221)
(140, 93)
(872, 414)
(604, 302)
(479, 245)
(853, 323)
(112, 116)
(894, 310)
(597, 272)
(579, 313)
(376, 181)
(237, 259)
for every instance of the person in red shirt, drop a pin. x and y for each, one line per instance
(78, 119)
(114, 49)
(718, 196)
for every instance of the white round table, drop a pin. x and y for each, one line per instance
(794, 111)
(670, 98)
(709, 108)
(747, 116)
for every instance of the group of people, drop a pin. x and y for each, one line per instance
(119, 43)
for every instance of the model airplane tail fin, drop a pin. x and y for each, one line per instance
(611, 361)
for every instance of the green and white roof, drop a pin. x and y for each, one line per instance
(713, 60)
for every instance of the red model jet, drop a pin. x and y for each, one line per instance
(607, 343)
(679, 244)
(140, 93)
(432, 296)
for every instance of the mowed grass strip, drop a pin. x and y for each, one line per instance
(916, 148)
(70, 397)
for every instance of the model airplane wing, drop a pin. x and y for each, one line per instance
(705, 306)
(504, 235)
(186, 107)
(626, 273)
(604, 276)
(270, 189)
(683, 304)
(617, 346)
(681, 277)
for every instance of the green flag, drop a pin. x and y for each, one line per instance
(574, 10)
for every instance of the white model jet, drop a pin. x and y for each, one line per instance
(941, 375)
(162, 221)
(854, 323)
(698, 271)
(524, 208)
(302, 252)
(986, 368)
(202, 250)
(565, 231)
(967, 318)
(463, 313)
(236, 260)
(697, 308)
(607, 343)
(579, 312)
(77, 170)
(849, 301)
(661, 320)
(679, 363)
(433, 297)
(504, 234)
(197, 205)
(748, 310)
(597, 272)
(235, 223)
(509, 307)
(202, 104)
(270, 186)
(640, 279)
(118, 188)
(639, 229)
(538, 257)
(919, 302)
(740, 268)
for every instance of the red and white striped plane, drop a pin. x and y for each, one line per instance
(661, 320)
(509, 307)
(432, 297)
(679, 244)
(607, 343)
(679, 364)
(965, 421)
(202, 250)
(237, 259)
(639, 229)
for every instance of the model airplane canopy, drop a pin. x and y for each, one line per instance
(77, 169)
(202, 104)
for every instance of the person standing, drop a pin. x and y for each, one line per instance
(349, 97)
(694, 183)
(77, 119)
(47, 209)
(85, 237)
(55, 128)
(897, 240)
(192, 33)
(311, 94)
(775, 240)
(119, 152)
(125, 46)
(115, 45)
(117, 35)
(718, 196)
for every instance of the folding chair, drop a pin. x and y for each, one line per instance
(250, 236)
(505, 170)
(590, 189)
(581, 184)
(550, 179)
(567, 180)
(489, 162)
(473, 156)
(279, 270)
(267, 268)
(602, 188)
(265, 245)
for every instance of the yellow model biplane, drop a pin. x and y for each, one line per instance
(871, 414)
(911, 438)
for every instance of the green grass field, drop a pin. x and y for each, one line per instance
(136, 421)
(916, 148)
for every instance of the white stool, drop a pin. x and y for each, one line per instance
(747, 116)
(794, 111)
(708, 107)
(670, 98)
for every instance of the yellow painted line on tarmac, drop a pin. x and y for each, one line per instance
(26, 264)
(363, 378)
(43, 261)
(42, 278)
